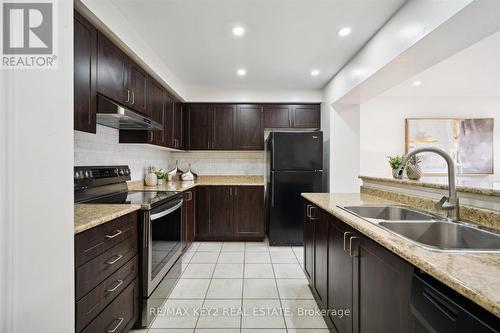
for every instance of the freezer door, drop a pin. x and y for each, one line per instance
(297, 151)
(286, 218)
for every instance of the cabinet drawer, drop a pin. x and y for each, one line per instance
(120, 315)
(91, 243)
(95, 271)
(96, 300)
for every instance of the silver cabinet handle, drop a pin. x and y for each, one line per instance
(111, 262)
(117, 232)
(190, 196)
(208, 144)
(115, 287)
(128, 96)
(350, 246)
(235, 191)
(347, 233)
(308, 211)
(133, 97)
(230, 191)
(120, 321)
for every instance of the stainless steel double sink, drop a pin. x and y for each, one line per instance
(428, 230)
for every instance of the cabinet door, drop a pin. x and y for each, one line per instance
(221, 212)
(111, 64)
(249, 133)
(178, 128)
(202, 204)
(306, 116)
(321, 259)
(309, 224)
(248, 212)
(188, 218)
(382, 288)
(198, 122)
(156, 100)
(85, 66)
(340, 276)
(169, 121)
(277, 116)
(223, 127)
(136, 84)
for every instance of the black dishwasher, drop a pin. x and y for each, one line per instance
(438, 309)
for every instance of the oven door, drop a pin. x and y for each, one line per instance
(163, 241)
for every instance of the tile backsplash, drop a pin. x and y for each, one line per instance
(221, 163)
(103, 148)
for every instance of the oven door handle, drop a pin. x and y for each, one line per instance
(166, 212)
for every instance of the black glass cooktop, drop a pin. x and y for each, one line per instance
(144, 198)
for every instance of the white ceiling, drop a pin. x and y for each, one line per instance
(284, 40)
(474, 71)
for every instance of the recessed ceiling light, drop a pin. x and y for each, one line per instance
(417, 83)
(238, 31)
(344, 32)
(314, 72)
(242, 72)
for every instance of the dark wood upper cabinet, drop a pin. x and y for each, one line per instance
(111, 70)
(306, 116)
(198, 127)
(136, 81)
(223, 117)
(156, 105)
(178, 128)
(169, 105)
(85, 67)
(248, 212)
(249, 131)
(277, 116)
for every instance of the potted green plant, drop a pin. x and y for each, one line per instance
(395, 163)
(413, 170)
(161, 175)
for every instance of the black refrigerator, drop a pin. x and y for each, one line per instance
(294, 164)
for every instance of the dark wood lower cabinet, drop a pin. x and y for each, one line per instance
(107, 277)
(229, 213)
(320, 276)
(309, 225)
(188, 218)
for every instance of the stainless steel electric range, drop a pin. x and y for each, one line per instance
(160, 231)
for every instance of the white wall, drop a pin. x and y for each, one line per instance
(382, 126)
(253, 95)
(37, 230)
(103, 148)
(222, 163)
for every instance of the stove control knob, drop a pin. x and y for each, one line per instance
(121, 172)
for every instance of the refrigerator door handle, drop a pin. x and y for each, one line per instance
(272, 190)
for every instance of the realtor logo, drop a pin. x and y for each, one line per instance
(28, 35)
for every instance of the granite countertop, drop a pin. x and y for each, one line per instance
(474, 275)
(178, 185)
(90, 215)
(463, 185)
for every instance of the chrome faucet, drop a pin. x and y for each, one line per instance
(450, 203)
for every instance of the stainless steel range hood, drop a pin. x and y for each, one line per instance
(114, 115)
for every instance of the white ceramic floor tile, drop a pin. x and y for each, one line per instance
(199, 271)
(231, 257)
(178, 314)
(225, 288)
(286, 249)
(288, 271)
(169, 330)
(302, 314)
(260, 288)
(283, 258)
(259, 271)
(256, 247)
(190, 288)
(297, 248)
(218, 313)
(209, 247)
(260, 313)
(217, 330)
(294, 289)
(186, 257)
(257, 258)
(205, 258)
(308, 330)
(233, 247)
(262, 330)
(228, 271)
